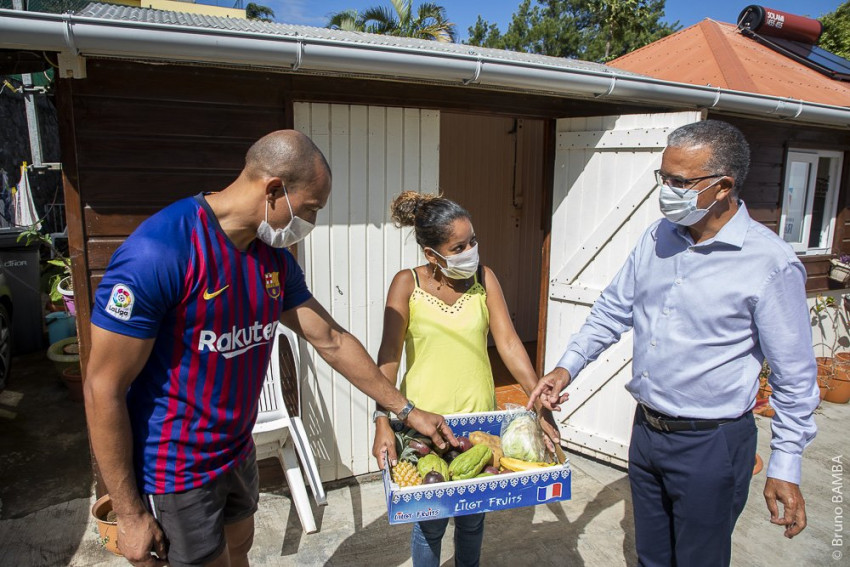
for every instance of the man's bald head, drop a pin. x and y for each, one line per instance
(287, 154)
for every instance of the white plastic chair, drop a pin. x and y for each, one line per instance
(276, 431)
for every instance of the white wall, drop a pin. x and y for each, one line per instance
(354, 252)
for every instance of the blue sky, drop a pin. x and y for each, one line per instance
(463, 13)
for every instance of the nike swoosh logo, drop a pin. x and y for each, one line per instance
(233, 353)
(208, 295)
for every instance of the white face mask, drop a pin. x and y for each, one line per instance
(460, 266)
(296, 231)
(679, 205)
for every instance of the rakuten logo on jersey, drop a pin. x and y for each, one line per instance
(236, 341)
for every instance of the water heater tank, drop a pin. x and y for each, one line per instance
(776, 23)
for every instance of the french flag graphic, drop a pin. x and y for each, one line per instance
(545, 493)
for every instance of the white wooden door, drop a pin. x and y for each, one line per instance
(352, 255)
(605, 196)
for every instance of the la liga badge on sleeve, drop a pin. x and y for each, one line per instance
(121, 301)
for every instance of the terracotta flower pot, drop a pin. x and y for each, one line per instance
(757, 468)
(108, 530)
(839, 391)
(826, 372)
(73, 378)
(762, 406)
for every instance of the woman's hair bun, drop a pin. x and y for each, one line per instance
(406, 205)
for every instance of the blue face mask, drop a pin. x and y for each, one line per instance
(679, 205)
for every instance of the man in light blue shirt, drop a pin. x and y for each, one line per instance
(710, 293)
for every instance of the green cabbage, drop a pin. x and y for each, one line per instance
(522, 438)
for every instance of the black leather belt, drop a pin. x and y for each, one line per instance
(670, 424)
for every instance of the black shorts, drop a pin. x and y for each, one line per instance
(193, 521)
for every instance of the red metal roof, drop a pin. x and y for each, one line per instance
(715, 53)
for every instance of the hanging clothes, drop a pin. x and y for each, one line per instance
(25, 213)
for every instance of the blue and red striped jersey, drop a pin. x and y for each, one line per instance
(211, 309)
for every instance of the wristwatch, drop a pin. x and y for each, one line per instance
(378, 413)
(405, 411)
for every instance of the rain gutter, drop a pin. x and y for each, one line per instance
(75, 37)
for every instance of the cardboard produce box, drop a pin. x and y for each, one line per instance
(475, 495)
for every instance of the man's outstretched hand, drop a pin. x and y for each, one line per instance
(549, 390)
(433, 425)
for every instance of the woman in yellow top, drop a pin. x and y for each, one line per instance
(441, 313)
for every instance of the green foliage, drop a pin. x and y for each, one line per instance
(429, 21)
(593, 30)
(259, 12)
(830, 317)
(53, 270)
(347, 20)
(836, 31)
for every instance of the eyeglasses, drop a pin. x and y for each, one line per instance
(680, 182)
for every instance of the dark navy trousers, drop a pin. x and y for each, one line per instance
(688, 489)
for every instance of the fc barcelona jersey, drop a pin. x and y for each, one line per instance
(211, 309)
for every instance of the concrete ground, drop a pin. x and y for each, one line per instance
(46, 494)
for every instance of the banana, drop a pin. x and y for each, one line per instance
(519, 465)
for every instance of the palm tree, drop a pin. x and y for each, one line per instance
(347, 20)
(430, 21)
(259, 12)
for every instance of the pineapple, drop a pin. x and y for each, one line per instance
(405, 474)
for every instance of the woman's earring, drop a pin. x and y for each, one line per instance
(434, 276)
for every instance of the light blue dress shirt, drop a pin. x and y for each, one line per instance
(705, 316)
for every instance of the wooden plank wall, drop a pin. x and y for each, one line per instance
(139, 137)
(145, 140)
(762, 191)
(493, 166)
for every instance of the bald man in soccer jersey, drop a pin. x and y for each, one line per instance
(181, 332)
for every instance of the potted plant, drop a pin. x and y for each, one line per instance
(830, 317)
(57, 270)
(72, 377)
(65, 354)
(840, 269)
(64, 288)
(762, 406)
(839, 389)
(107, 526)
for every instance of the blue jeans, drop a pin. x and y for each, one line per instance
(427, 538)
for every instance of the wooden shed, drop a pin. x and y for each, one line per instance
(553, 157)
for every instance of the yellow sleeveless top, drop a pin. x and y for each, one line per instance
(448, 370)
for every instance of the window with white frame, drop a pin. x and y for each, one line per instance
(810, 198)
